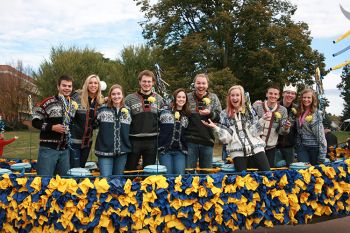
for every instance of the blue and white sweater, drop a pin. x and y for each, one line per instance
(241, 134)
(172, 132)
(311, 134)
(113, 135)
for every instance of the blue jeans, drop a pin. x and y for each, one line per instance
(112, 165)
(287, 154)
(175, 162)
(78, 155)
(201, 152)
(308, 154)
(51, 162)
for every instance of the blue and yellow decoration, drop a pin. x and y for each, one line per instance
(216, 202)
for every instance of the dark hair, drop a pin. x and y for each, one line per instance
(147, 73)
(65, 78)
(185, 109)
(274, 86)
(109, 100)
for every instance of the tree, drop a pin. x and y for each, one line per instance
(78, 63)
(344, 87)
(133, 60)
(256, 40)
(16, 86)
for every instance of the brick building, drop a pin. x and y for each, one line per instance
(16, 89)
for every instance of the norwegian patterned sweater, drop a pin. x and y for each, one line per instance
(82, 123)
(144, 114)
(273, 127)
(172, 132)
(113, 135)
(49, 112)
(197, 132)
(241, 134)
(311, 134)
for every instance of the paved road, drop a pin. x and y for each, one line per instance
(338, 225)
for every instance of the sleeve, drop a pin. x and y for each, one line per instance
(6, 142)
(318, 130)
(224, 133)
(39, 119)
(216, 109)
(282, 130)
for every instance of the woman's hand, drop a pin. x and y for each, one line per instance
(209, 124)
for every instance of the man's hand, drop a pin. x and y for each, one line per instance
(16, 137)
(204, 112)
(59, 128)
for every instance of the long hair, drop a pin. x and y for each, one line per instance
(109, 101)
(85, 92)
(313, 106)
(185, 109)
(230, 108)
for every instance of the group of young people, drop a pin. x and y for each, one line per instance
(181, 134)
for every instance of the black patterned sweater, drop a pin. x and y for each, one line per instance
(172, 126)
(197, 132)
(49, 112)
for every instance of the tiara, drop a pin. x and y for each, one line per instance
(290, 87)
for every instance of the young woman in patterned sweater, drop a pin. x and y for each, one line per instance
(112, 142)
(311, 141)
(172, 144)
(240, 131)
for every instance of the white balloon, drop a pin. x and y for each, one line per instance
(103, 85)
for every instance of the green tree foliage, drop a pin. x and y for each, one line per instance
(344, 87)
(256, 39)
(78, 63)
(133, 60)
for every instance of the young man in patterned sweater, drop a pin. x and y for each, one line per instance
(203, 105)
(144, 106)
(52, 117)
(276, 122)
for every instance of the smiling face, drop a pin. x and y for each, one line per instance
(236, 98)
(289, 97)
(272, 96)
(181, 99)
(146, 83)
(65, 88)
(201, 85)
(116, 97)
(93, 86)
(307, 99)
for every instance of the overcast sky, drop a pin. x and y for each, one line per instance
(29, 29)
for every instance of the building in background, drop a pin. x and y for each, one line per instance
(16, 90)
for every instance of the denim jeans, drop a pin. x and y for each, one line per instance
(78, 156)
(308, 154)
(201, 152)
(51, 162)
(175, 162)
(287, 154)
(112, 165)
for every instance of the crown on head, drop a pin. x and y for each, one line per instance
(290, 87)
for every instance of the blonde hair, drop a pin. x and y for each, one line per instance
(85, 92)
(230, 108)
(109, 100)
(313, 106)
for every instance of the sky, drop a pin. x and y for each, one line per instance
(29, 29)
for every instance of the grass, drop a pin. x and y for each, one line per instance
(27, 146)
